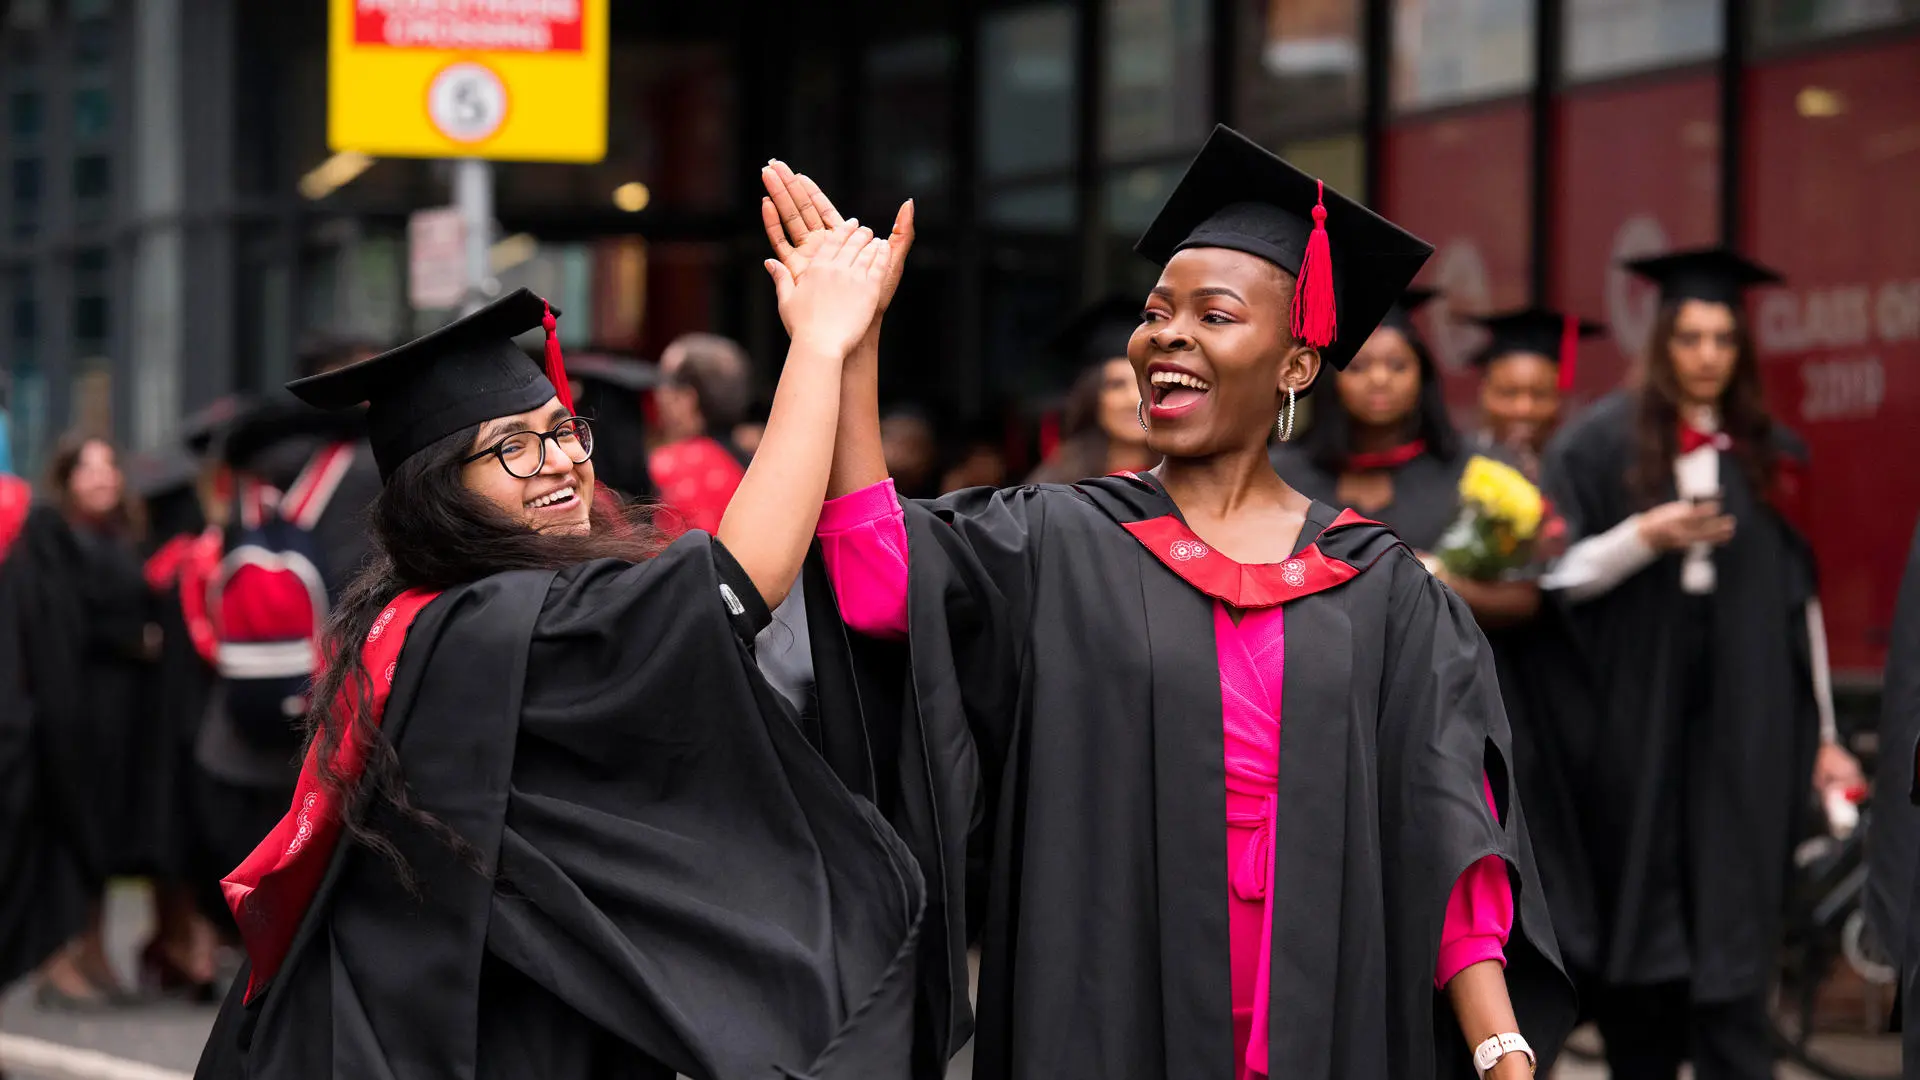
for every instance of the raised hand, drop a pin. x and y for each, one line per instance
(830, 305)
(798, 216)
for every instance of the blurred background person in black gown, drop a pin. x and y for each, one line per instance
(83, 618)
(1383, 444)
(1692, 589)
(1100, 428)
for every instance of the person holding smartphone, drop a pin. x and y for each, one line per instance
(1692, 586)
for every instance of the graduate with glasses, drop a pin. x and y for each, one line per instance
(552, 822)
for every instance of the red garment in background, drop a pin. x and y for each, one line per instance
(15, 499)
(696, 478)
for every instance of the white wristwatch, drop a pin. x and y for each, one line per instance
(1489, 1053)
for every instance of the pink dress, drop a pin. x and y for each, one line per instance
(863, 539)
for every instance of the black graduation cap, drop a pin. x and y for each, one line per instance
(1717, 275)
(1349, 263)
(1099, 332)
(466, 372)
(209, 422)
(1552, 334)
(1412, 299)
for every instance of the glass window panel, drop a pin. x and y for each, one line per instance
(92, 113)
(90, 320)
(1135, 195)
(1027, 80)
(1299, 64)
(1339, 160)
(91, 176)
(24, 319)
(26, 180)
(1155, 98)
(908, 115)
(1035, 207)
(26, 115)
(1613, 37)
(1787, 22)
(1448, 51)
(92, 42)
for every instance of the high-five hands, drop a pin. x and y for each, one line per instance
(799, 218)
(829, 308)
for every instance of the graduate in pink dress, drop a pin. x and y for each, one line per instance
(1238, 761)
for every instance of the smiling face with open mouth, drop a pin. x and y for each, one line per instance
(1213, 354)
(556, 495)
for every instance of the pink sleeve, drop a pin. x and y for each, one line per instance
(863, 539)
(1479, 915)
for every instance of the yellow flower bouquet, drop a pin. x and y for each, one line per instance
(1500, 514)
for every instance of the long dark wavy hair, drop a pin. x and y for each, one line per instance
(431, 532)
(1330, 443)
(1743, 415)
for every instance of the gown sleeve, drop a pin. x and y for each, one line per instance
(936, 718)
(1479, 914)
(1462, 884)
(863, 542)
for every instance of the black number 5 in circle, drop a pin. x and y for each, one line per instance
(467, 102)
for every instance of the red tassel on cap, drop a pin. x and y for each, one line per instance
(1569, 350)
(556, 367)
(1315, 322)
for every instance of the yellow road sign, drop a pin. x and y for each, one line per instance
(505, 80)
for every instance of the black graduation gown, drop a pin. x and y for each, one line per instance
(1545, 685)
(83, 609)
(1063, 673)
(674, 881)
(43, 894)
(1742, 772)
(1893, 839)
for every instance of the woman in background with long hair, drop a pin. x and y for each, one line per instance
(1692, 588)
(1101, 431)
(81, 643)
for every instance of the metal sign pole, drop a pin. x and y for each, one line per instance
(473, 198)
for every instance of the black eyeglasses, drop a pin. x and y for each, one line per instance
(524, 453)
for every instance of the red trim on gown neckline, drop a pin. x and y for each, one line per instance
(1245, 585)
(1386, 459)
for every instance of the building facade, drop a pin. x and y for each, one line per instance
(156, 248)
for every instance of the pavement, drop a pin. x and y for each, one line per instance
(162, 1041)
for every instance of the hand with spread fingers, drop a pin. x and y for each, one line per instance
(831, 306)
(799, 218)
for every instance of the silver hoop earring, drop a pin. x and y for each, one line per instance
(1283, 423)
(1140, 411)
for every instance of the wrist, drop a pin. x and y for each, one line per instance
(809, 350)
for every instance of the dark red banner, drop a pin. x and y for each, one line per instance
(1833, 169)
(535, 26)
(1460, 182)
(1638, 174)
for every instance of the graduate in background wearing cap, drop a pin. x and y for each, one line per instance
(1526, 372)
(1100, 429)
(1692, 587)
(1107, 661)
(553, 823)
